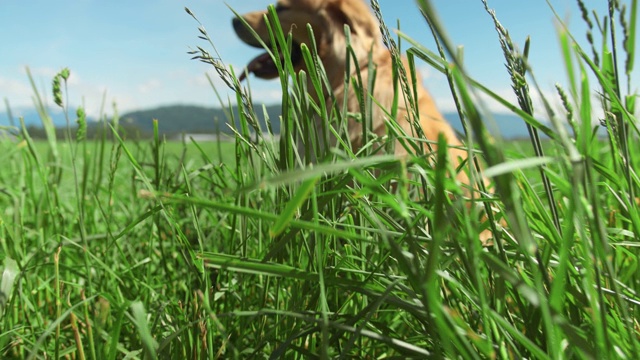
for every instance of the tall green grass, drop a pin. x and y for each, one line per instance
(157, 250)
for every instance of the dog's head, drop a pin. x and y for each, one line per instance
(327, 19)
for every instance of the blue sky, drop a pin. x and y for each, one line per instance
(135, 52)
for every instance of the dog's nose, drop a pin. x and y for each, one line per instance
(237, 25)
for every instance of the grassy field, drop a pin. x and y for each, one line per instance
(145, 250)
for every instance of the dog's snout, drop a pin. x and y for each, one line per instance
(240, 27)
(237, 24)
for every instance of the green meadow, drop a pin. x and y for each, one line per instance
(147, 249)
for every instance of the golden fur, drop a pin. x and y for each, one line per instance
(327, 18)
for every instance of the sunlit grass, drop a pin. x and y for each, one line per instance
(158, 249)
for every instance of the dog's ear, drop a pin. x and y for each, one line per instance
(336, 11)
(356, 14)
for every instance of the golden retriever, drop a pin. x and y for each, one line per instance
(327, 19)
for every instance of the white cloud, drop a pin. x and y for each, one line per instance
(445, 104)
(20, 94)
(425, 71)
(270, 96)
(17, 92)
(149, 86)
(201, 81)
(42, 72)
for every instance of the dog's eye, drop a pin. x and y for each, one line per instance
(280, 7)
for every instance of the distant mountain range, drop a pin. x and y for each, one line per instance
(177, 119)
(32, 118)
